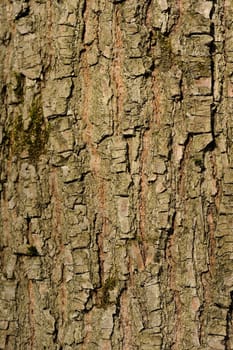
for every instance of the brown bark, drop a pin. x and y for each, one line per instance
(116, 175)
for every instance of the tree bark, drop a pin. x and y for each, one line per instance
(116, 186)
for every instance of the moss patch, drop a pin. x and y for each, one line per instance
(109, 285)
(164, 43)
(37, 131)
(34, 139)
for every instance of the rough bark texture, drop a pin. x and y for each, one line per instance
(116, 137)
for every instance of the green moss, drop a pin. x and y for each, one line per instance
(37, 131)
(164, 43)
(16, 136)
(109, 285)
(34, 138)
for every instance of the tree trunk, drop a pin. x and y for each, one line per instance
(116, 186)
